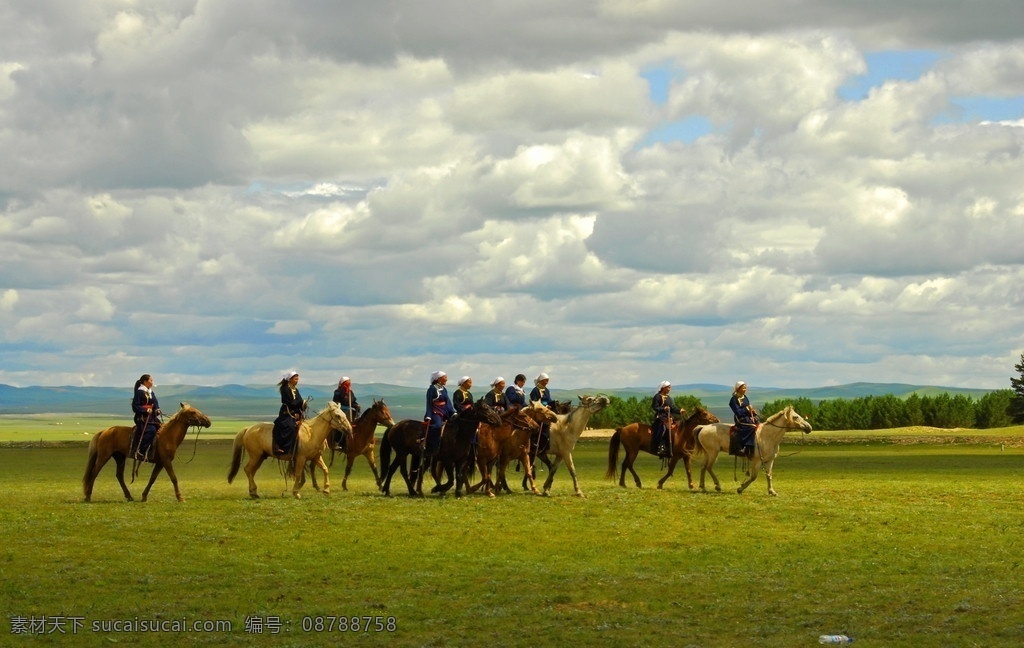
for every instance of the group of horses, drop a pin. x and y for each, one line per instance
(478, 438)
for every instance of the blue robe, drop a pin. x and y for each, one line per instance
(515, 397)
(439, 410)
(286, 425)
(745, 420)
(663, 408)
(147, 420)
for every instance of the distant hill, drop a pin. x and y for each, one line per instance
(260, 402)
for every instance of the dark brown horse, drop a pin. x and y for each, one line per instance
(637, 436)
(455, 454)
(498, 446)
(116, 442)
(362, 440)
(404, 439)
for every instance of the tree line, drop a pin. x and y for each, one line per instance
(866, 413)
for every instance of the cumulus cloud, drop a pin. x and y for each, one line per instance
(212, 192)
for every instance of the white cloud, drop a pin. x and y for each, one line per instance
(195, 190)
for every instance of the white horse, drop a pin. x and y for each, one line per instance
(714, 438)
(258, 441)
(565, 432)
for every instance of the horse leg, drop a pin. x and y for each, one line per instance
(120, 460)
(709, 463)
(350, 459)
(373, 466)
(529, 472)
(298, 477)
(671, 468)
(551, 476)
(689, 474)
(755, 466)
(327, 474)
(152, 478)
(575, 480)
(255, 461)
(628, 463)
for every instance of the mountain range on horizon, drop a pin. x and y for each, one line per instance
(261, 402)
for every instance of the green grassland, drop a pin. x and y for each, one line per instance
(893, 543)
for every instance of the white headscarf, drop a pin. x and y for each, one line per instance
(499, 379)
(541, 376)
(437, 375)
(736, 387)
(462, 381)
(289, 375)
(664, 384)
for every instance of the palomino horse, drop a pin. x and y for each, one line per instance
(498, 446)
(258, 442)
(362, 439)
(455, 454)
(637, 436)
(565, 432)
(114, 442)
(712, 439)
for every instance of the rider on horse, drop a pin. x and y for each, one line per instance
(289, 417)
(147, 418)
(346, 399)
(661, 427)
(746, 421)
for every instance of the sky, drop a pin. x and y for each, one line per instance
(616, 193)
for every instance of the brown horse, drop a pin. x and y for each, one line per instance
(455, 454)
(498, 446)
(637, 436)
(258, 442)
(362, 439)
(115, 442)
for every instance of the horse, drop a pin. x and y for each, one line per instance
(565, 432)
(497, 446)
(362, 439)
(455, 454)
(637, 436)
(115, 442)
(714, 438)
(404, 438)
(258, 441)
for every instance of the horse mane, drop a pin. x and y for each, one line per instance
(784, 412)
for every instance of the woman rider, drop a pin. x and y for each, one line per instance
(661, 427)
(289, 417)
(746, 419)
(147, 417)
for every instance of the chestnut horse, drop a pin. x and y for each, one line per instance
(455, 454)
(258, 442)
(497, 446)
(115, 442)
(637, 436)
(714, 438)
(565, 432)
(362, 439)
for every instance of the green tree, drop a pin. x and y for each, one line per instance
(1016, 407)
(992, 409)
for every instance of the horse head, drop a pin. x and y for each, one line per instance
(539, 413)
(795, 420)
(594, 404)
(336, 417)
(484, 413)
(381, 414)
(192, 417)
(701, 416)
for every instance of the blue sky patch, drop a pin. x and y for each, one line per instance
(907, 65)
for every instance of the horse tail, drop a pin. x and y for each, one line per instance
(698, 447)
(613, 454)
(236, 455)
(90, 463)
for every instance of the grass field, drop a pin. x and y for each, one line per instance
(894, 544)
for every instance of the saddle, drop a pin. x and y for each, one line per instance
(736, 447)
